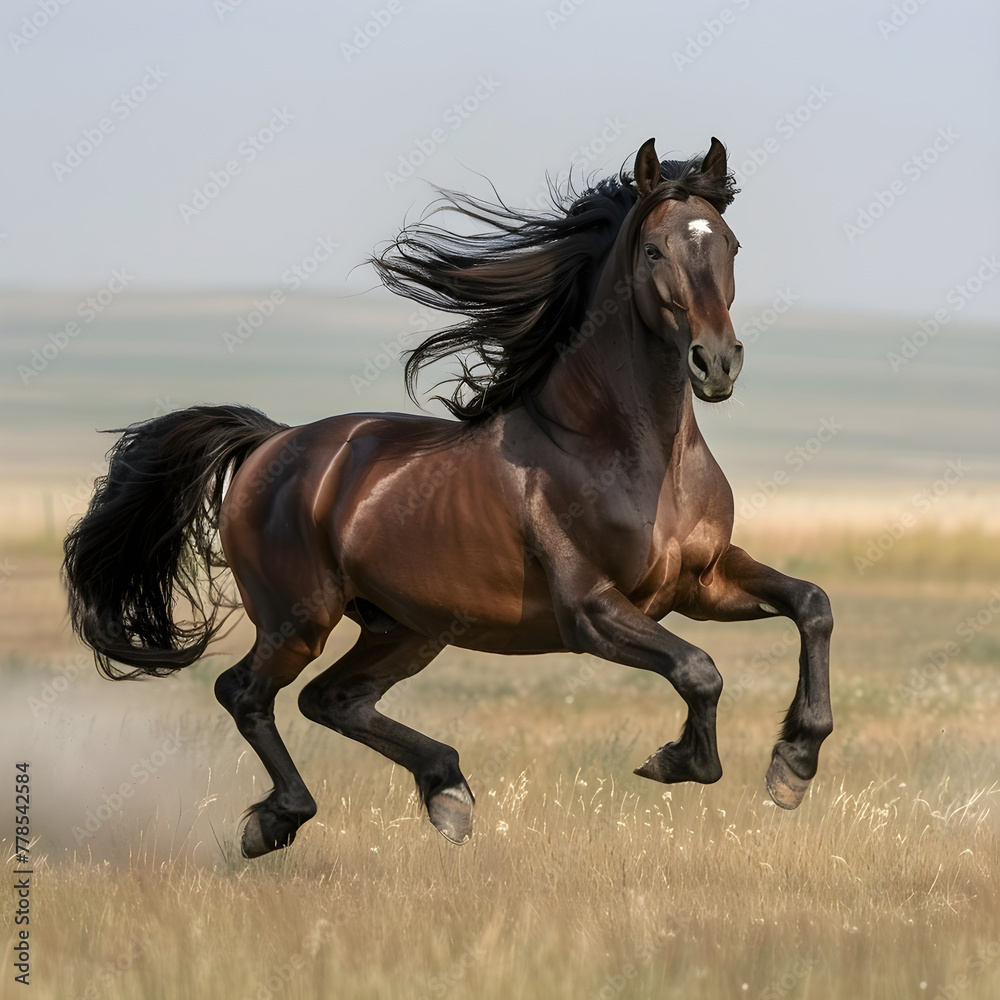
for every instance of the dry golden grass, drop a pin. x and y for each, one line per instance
(582, 880)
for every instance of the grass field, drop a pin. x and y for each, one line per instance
(582, 880)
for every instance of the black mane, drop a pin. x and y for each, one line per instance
(524, 285)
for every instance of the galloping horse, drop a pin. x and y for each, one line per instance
(570, 507)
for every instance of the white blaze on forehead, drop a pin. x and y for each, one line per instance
(699, 226)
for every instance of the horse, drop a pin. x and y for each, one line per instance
(569, 505)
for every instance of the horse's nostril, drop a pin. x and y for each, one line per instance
(734, 362)
(698, 361)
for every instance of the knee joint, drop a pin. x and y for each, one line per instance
(228, 686)
(699, 678)
(592, 628)
(816, 613)
(332, 708)
(313, 704)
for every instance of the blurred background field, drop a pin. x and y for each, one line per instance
(582, 880)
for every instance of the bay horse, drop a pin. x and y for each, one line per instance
(571, 506)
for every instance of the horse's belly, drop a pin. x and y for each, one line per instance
(433, 543)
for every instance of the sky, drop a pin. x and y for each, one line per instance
(200, 144)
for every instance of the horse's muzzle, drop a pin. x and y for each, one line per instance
(714, 374)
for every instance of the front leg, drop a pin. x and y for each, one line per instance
(604, 622)
(741, 589)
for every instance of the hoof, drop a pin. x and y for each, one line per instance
(653, 769)
(252, 843)
(784, 785)
(450, 810)
(255, 842)
(671, 765)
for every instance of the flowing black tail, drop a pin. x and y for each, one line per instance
(149, 536)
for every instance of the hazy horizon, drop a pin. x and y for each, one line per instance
(897, 418)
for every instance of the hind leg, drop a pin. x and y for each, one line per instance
(247, 691)
(344, 697)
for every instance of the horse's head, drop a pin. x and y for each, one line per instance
(683, 272)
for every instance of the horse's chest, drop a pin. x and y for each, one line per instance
(681, 549)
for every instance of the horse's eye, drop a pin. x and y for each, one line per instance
(651, 252)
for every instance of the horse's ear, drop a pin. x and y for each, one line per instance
(647, 168)
(714, 165)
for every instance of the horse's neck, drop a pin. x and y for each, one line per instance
(617, 383)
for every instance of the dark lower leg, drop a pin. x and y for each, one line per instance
(694, 757)
(612, 627)
(344, 697)
(795, 758)
(248, 695)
